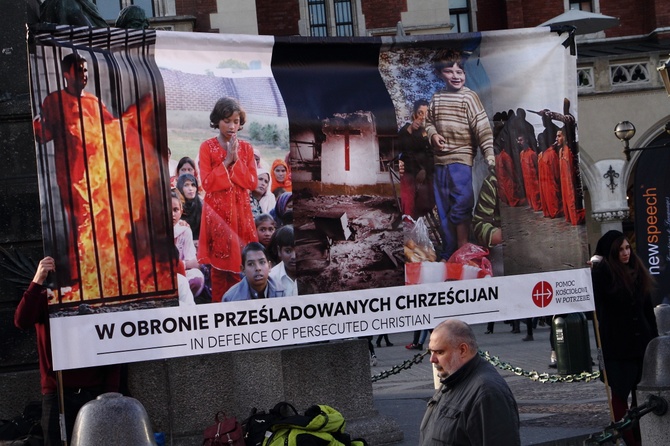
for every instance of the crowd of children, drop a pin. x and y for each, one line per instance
(232, 217)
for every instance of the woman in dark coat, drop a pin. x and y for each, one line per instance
(622, 287)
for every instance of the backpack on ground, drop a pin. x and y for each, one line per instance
(258, 424)
(321, 425)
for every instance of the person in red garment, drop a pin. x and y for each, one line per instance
(507, 187)
(530, 175)
(98, 165)
(79, 385)
(228, 172)
(281, 178)
(550, 182)
(416, 183)
(573, 215)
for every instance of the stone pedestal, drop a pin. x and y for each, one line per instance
(182, 395)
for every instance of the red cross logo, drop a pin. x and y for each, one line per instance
(542, 294)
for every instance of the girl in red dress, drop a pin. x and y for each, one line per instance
(228, 173)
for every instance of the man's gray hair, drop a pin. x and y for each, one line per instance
(458, 332)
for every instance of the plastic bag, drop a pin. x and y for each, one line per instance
(418, 246)
(473, 255)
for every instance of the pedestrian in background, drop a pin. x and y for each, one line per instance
(622, 289)
(418, 340)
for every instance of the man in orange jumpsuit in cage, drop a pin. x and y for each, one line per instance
(93, 162)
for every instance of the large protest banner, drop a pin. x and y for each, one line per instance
(366, 263)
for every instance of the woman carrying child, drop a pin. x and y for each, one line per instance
(228, 171)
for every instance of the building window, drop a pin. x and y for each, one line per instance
(330, 18)
(318, 24)
(344, 25)
(581, 5)
(459, 11)
(585, 78)
(109, 9)
(627, 74)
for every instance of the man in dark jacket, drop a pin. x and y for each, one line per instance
(474, 405)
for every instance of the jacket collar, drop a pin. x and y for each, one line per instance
(461, 374)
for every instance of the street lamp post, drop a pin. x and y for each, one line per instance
(625, 130)
(664, 71)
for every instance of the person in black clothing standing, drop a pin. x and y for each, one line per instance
(622, 288)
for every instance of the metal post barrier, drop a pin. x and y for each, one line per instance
(656, 382)
(571, 340)
(653, 404)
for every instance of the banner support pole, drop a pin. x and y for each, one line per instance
(61, 408)
(596, 326)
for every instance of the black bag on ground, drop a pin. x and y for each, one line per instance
(321, 425)
(258, 424)
(24, 429)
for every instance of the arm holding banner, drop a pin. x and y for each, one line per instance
(79, 386)
(31, 309)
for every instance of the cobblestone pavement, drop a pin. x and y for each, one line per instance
(548, 411)
(561, 405)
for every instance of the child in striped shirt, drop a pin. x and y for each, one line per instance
(456, 125)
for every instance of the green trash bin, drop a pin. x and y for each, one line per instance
(572, 344)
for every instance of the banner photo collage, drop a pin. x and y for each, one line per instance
(344, 176)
